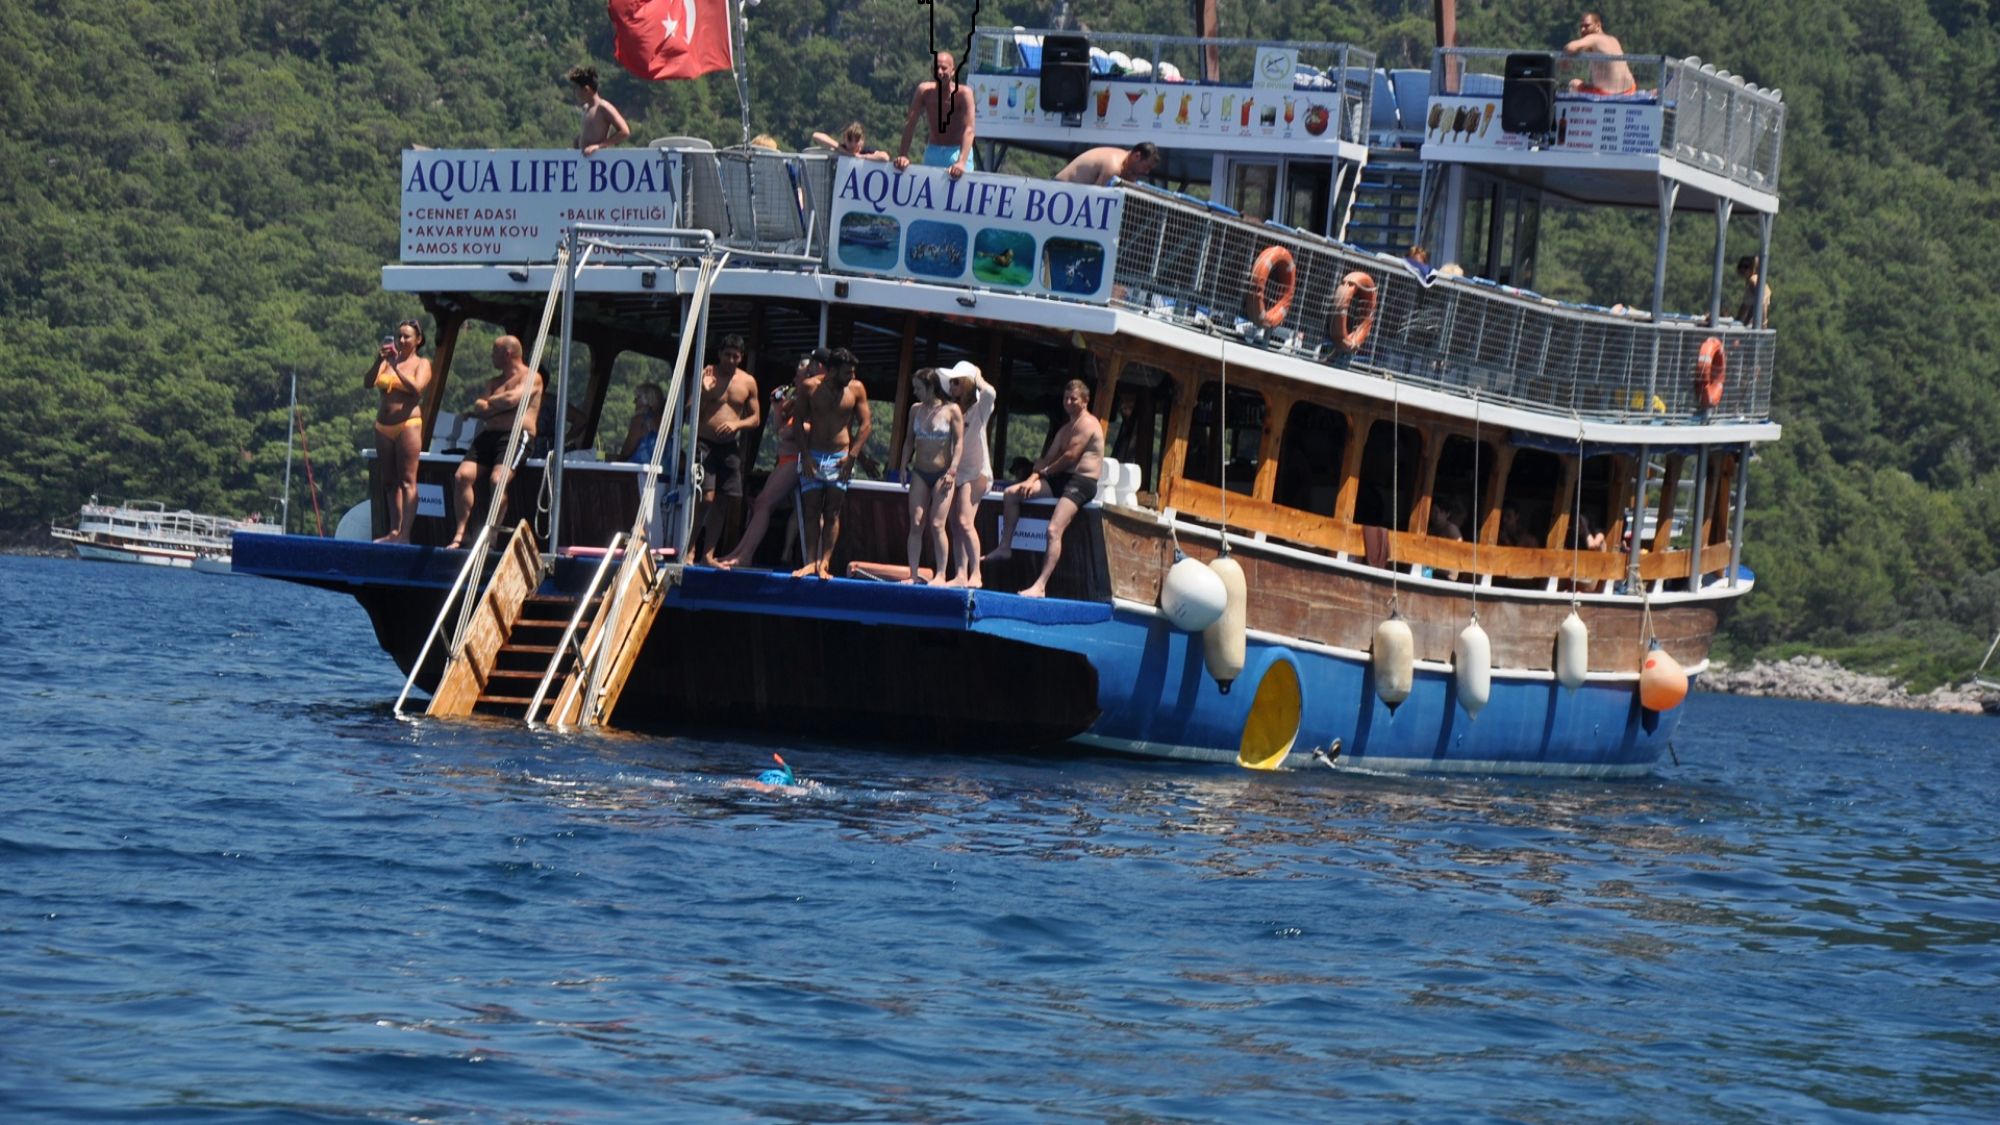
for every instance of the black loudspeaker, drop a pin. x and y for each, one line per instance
(1528, 98)
(1065, 73)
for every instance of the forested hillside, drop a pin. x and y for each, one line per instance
(199, 195)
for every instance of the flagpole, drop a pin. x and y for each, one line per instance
(741, 29)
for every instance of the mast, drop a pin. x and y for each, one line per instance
(291, 423)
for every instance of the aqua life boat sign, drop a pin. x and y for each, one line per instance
(514, 205)
(996, 232)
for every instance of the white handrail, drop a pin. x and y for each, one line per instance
(464, 575)
(569, 634)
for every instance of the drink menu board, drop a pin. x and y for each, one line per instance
(1471, 126)
(1124, 112)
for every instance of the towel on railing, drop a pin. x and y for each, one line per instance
(1375, 546)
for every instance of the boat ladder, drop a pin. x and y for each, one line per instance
(484, 673)
(591, 662)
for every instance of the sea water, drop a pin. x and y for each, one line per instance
(233, 885)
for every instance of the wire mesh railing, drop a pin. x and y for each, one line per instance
(1185, 262)
(1709, 118)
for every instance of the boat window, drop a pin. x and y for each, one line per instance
(1601, 489)
(1138, 423)
(1529, 506)
(1308, 186)
(1253, 187)
(1208, 448)
(1721, 483)
(1389, 466)
(1309, 458)
(1464, 483)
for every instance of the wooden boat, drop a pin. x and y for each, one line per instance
(1368, 440)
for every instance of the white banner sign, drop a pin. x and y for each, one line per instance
(1124, 112)
(1581, 126)
(514, 205)
(1000, 232)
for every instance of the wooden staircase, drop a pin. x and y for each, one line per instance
(518, 639)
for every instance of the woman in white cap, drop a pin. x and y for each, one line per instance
(975, 397)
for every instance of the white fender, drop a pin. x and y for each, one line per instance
(1472, 664)
(1662, 681)
(1572, 652)
(1395, 661)
(1223, 643)
(1193, 596)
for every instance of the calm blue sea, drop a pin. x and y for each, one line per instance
(233, 886)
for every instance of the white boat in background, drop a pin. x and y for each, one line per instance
(145, 532)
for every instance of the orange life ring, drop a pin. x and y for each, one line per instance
(1711, 366)
(1278, 260)
(1352, 313)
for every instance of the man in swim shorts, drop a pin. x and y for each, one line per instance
(1068, 472)
(729, 406)
(512, 381)
(947, 106)
(836, 418)
(1612, 77)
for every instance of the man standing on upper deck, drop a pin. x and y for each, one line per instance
(948, 107)
(836, 420)
(603, 125)
(513, 380)
(728, 407)
(1068, 471)
(1099, 165)
(1605, 77)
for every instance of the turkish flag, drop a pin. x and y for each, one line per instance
(659, 39)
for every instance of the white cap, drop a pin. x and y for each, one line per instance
(963, 369)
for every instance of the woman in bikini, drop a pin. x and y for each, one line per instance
(402, 376)
(937, 435)
(784, 477)
(975, 398)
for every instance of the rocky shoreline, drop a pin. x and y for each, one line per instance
(1819, 679)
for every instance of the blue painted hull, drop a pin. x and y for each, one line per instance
(1157, 698)
(841, 644)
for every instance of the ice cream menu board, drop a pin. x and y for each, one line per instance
(1581, 126)
(1125, 112)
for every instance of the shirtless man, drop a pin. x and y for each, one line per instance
(512, 380)
(837, 420)
(1068, 472)
(603, 125)
(1097, 166)
(728, 407)
(948, 107)
(1605, 77)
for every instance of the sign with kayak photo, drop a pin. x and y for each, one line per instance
(1000, 232)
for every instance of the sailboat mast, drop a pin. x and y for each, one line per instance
(291, 423)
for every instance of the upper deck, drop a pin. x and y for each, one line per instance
(1713, 133)
(1191, 97)
(1178, 270)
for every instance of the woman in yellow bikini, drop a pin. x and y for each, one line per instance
(402, 376)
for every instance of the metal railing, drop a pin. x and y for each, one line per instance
(1335, 69)
(1183, 262)
(769, 207)
(1709, 118)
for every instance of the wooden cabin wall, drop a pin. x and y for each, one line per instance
(1552, 557)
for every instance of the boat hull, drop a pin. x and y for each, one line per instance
(142, 555)
(964, 670)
